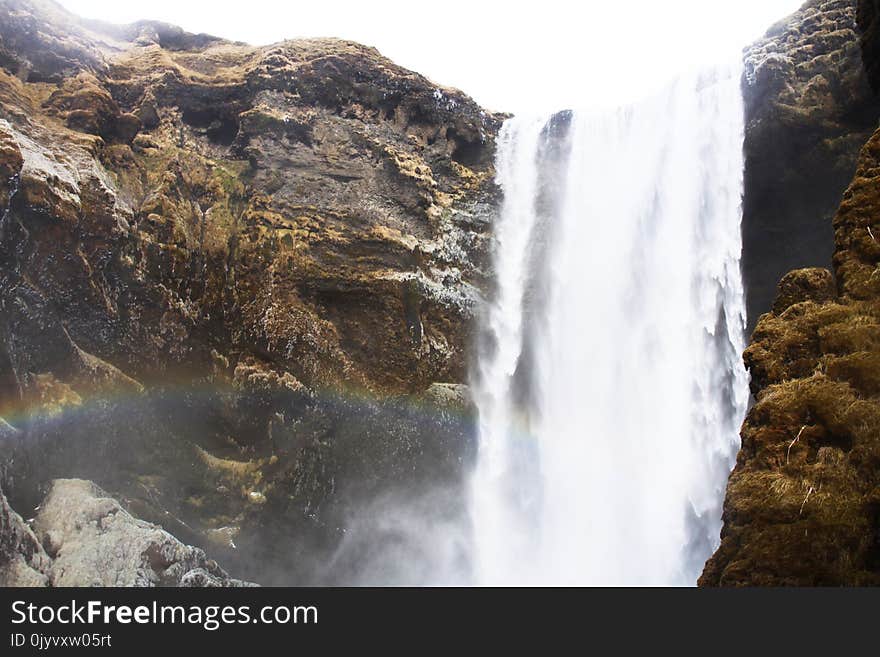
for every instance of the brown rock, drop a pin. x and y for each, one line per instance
(814, 284)
(220, 257)
(857, 228)
(803, 503)
(316, 201)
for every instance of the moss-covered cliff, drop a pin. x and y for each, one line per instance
(803, 503)
(809, 108)
(309, 204)
(232, 277)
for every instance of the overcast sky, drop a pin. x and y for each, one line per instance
(511, 56)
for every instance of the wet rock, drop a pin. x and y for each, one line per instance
(809, 108)
(95, 542)
(455, 396)
(868, 18)
(42, 42)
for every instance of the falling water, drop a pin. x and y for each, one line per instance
(609, 383)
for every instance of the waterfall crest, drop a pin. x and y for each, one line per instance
(609, 380)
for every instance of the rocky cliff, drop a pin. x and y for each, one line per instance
(809, 108)
(236, 283)
(803, 503)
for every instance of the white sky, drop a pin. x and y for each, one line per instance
(511, 56)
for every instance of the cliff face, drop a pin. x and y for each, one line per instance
(809, 108)
(220, 268)
(310, 201)
(803, 503)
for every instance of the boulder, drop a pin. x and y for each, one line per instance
(82, 537)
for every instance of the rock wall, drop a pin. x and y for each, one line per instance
(230, 278)
(868, 18)
(803, 503)
(308, 204)
(809, 109)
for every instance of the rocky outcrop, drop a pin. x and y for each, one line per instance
(803, 503)
(93, 541)
(309, 203)
(228, 275)
(82, 537)
(809, 108)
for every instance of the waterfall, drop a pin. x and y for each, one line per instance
(609, 379)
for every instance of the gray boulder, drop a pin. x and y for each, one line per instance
(83, 537)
